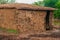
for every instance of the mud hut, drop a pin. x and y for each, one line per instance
(26, 18)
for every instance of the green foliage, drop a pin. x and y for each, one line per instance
(50, 3)
(58, 5)
(57, 12)
(6, 1)
(39, 3)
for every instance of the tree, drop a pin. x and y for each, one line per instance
(50, 3)
(39, 3)
(58, 5)
(57, 12)
(6, 1)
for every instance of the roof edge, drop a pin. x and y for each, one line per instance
(20, 6)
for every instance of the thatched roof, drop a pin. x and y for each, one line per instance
(25, 6)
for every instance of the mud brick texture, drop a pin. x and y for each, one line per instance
(24, 18)
(27, 19)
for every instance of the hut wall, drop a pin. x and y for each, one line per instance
(7, 19)
(25, 21)
(51, 19)
(31, 21)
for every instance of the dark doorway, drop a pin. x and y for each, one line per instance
(47, 20)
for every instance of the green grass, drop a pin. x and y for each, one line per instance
(12, 31)
(57, 23)
(9, 30)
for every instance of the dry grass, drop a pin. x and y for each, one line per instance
(56, 23)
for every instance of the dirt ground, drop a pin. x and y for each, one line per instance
(49, 35)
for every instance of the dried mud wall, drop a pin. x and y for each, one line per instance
(25, 21)
(31, 21)
(51, 17)
(7, 18)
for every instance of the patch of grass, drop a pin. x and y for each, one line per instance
(12, 31)
(9, 30)
(56, 23)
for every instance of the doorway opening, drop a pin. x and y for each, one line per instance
(47, 20)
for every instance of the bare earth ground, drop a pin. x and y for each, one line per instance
(49, 35)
